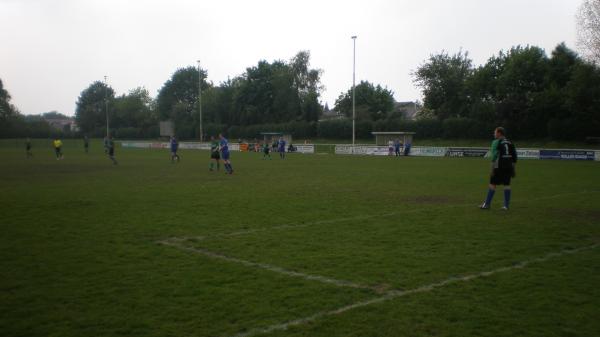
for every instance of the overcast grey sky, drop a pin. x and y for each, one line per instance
(52, 50)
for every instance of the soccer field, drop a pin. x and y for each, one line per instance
(313, 245)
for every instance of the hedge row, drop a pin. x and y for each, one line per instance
(451, 128)
(332, 129)
(19, 128)
(342, 129)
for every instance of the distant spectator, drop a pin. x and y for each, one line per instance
(281, 148)
(397, 146)
(407, 147)
(390, 148)
(256, 145)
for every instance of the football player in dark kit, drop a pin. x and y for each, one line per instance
(215, 156)
(504, 159)
(28, 152)
(86, 144)
(174, 147)
(110, 143)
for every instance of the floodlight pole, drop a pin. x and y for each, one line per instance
(200, 99)
(106, 105)
(354, 93)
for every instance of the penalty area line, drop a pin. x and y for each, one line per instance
(177, 243)
(393, 294)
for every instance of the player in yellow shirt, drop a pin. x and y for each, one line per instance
(57, 143)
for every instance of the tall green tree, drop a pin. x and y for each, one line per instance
(443, 80)
(256, 94)
(273, 92)
(7, 110)
(583, 103)
(135, 109)
(307, 82)
(523, 89)
(90, 111)
(551, 104)
(372, 102)
(9, 115)
(225, 101)
(524, 76)
(177, 100)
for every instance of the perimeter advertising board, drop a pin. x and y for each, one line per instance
(466, 152)
(568, 154)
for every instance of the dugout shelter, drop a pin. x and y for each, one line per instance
(269, 136)
(383, 138)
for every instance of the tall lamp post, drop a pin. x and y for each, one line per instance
(106, 105)
(200, 99)
(353, 92)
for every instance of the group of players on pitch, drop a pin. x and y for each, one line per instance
(57, 144)
(219, 149)
(503, 155)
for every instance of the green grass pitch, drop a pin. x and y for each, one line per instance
(314, 245)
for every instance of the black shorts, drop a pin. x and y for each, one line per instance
(111, 151)
(501, 177)
(215, 155)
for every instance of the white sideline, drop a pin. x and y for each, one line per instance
(176, 242)
(400, 293)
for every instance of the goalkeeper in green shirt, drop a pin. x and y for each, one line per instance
(266, 151)
(504, 159)
(215, 156)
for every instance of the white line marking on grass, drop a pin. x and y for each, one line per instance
(363, 217)
(306, 224)
(177, 243)
(392, 294)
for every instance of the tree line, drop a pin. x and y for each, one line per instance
(523, 89)
(530, 93)
(276, 92)
(13, 124)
